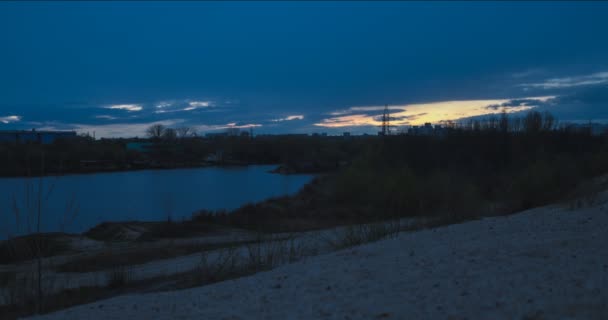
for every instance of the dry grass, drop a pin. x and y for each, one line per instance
(358, 234)
(259, 256)
(109, 259)
(119, 277)
(234, 260)
(23, 248)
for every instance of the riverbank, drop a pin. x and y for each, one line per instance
(135, 168)
(278, 169)
(544, 263)
(129, 258)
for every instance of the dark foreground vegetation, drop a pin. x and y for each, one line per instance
(490, 167)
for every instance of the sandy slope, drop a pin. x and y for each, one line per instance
(547, 263)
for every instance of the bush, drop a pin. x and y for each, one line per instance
(358, 234)
(461, 175)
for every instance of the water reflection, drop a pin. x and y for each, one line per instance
(77, 202)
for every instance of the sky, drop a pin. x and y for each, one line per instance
(115, 68)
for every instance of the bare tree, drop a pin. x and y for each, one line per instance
(185, 132)
(450, 124)
(169, 134)
(516, 124)
(31, 209)
(156, 131)
(233, 131)
(476, 125)
(503, 123)
(533, 122)
(492, 122)
(548, 121)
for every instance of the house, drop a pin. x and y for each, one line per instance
(144, 146)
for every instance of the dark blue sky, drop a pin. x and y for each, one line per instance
(295, 66)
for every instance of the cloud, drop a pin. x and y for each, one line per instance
(587, 103)
(167, 111)
(569, 82)
(193, 105)
(527, 73)
(372, 108)
(353, 120)
(183, 105)
(289, 118)
(521, 103)
(163, 104)
(435, 112)
(114, 130)
(10, 119)
(231, 125)
(105, 116)
(127, 107)
(406, 117)
(377, 108)
(199, 104)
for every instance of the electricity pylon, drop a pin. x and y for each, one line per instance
(386, 122)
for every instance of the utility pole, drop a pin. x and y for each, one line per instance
(386, 122)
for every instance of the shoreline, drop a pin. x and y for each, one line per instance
(277, 170)
(90, 172)
(148, 227)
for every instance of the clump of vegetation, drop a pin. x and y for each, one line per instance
(26, 247)
(358, 234)
(484, 168)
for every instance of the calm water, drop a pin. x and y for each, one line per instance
(150, 195)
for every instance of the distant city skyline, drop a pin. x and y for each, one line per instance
(296, 67)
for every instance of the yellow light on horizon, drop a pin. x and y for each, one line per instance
(435, 112)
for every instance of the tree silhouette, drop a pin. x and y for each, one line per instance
(169, 134)
(156, 131)
(185, 132)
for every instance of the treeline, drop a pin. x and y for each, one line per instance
(531, 122)
(169, 146)
(173, 148)
(462, 174)
(63, 156)
(166, 147)
(470, 173)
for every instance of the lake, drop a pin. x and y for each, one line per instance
(148, 195)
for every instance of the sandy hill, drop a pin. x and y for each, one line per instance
(545, 263)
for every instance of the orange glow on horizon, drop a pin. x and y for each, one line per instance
(417, 114)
